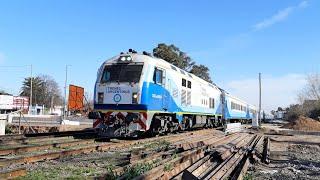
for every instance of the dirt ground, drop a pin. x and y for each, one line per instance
(304, 124)
(291, 157)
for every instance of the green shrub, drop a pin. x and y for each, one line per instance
(137, 170)
(8, 130)
(248, 177)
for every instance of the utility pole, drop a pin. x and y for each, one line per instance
(31, 84)
(65, 94)
(259, 100)
(51, 105)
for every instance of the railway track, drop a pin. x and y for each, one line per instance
(220, 159)
(39, 148)
(217, 158)
(24, 138)
(188, 154)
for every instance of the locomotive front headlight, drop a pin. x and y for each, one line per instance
(100, 97)
(135, 95)
(125, 58)
(134, 98)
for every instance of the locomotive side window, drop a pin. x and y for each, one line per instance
(174, 68)
(189, 84)
(211, 103)
(184, 82)
(158, 76)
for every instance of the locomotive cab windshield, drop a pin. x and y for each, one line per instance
(122, 73)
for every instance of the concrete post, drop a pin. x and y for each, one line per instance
(3, 122)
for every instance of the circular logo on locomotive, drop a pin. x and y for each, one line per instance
(117, 98)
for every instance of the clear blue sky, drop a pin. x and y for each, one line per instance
(235, 39)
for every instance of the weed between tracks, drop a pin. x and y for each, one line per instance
(247, 176)
(136, 170)
(111, 175)
(158, 145)
(70, 172)
(131, 171)
(168, 167)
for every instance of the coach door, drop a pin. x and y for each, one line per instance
(223, 105)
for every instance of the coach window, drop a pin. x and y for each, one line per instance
(189, 84)
(184, 82)
(158, 76)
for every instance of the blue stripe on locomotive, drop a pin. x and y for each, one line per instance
(152, 95)
(157, 98)
(152, 100)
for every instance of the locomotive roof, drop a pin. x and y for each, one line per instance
(136, 57)
(168, 65)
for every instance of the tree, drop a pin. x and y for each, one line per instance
(309, 98)
(294, 111)
(175, 56)
(45, 90)
(313, 87)
(52, 94)
(3, 92)
(37, 89)
(201, 71)
(273, 112)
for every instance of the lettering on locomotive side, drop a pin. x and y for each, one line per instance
(117, 90)
(175, 93)
(156, 96)
(204, 91)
